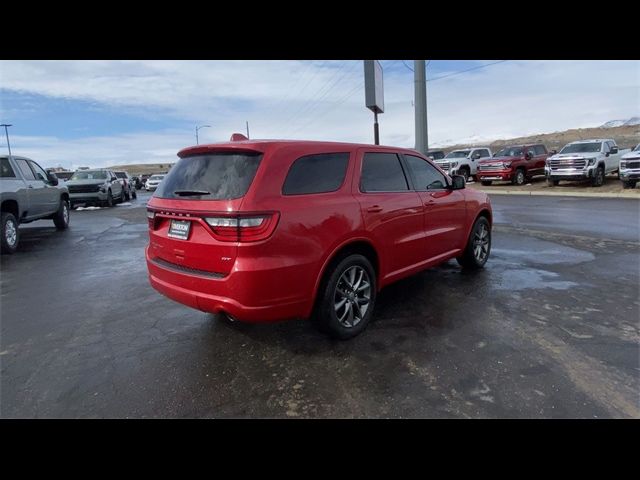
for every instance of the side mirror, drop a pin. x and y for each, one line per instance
(528, 155)
(553, 152)
(476, 156)
(614, 149)
(53, 178)
(457, 182)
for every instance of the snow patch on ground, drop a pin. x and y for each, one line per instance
(88, 208)
(125, 204)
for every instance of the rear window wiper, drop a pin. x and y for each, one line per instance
(189, 193)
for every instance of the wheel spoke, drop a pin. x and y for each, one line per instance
(340, 304)
(352, 276)
(359, 281)
(350, 315)
(363, 286)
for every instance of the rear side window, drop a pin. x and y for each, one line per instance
(217, 176)
(25, 169)
(5, 169)
(316, 174)
(382, 172)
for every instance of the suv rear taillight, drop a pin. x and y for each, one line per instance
(243, 228)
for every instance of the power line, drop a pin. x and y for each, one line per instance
(464, 71)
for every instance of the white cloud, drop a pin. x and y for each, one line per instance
(321, 100)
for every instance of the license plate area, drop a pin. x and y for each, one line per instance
(179, 229)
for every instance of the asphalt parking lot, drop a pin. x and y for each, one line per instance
(550, 329)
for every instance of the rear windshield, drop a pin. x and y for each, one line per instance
(218, 176)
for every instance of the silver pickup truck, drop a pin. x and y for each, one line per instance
(28, 193)
(584, 160)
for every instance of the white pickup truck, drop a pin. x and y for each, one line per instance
(464, 162)
(630, 168)
(584, 160)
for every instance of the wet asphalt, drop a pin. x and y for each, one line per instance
(549, 329)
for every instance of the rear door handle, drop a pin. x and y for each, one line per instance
(374, 209)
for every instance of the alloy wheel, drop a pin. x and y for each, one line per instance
(352, 296)
(481, 243)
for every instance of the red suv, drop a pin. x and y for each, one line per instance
(264, 230)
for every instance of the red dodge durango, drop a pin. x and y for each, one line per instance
(263, 230)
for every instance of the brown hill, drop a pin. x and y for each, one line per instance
(625, 137)
(144, 168)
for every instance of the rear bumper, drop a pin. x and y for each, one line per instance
(246, 295)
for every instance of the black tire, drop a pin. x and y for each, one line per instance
(552, 183)
(123, 196)
(472, 258)
(629, 184)
(10, 233)
(598, 177)
(465, 173)
(486, 183)
(127, 196)
(134, 194)
(109, 201)
(520, 177)
(61, 219)
(326, 316)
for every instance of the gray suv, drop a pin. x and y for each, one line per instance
(96, 186)
(28, 193)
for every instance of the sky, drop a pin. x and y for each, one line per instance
(101, 113)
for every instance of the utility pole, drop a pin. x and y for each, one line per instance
(6, 132)
(198, 128)
(420, 93)
(248, 129)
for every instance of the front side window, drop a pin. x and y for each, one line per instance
(382, 172)
(214, 176)
(6, 171)
(40, 173)
(25, 169)
(425, 175)
(318, 173)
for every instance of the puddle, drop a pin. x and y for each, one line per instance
(520, 278)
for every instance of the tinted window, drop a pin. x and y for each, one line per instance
(540, 150)
(425, 175)
(484, 153)
(5, 168)
(316, 174)
(24, 168)
(121, 175)
(218, 176)
(382, 172)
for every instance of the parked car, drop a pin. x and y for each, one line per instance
(143, 179)
(464, 162)
(137, 182)
(435, 154)
(63, 176)
(129, 189)
(97, 186)
(29, 193)
(269, 230)
(153, 181)
(584, 160)
(515, 163)
(630, 168)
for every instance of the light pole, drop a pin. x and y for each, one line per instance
(6, 132)
(198, 128)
